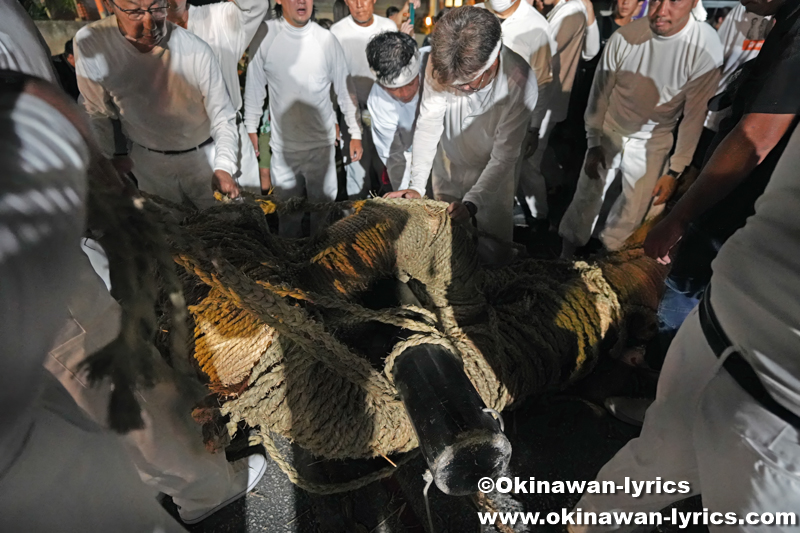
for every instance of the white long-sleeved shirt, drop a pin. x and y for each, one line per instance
(393, 128)
(527, 33)
(482, 130)
(228, 28)
(299, 65)
(22, 47)
(568, 23)
(354, 40)
(742, 35)
(591, 41)
(171, 98)
(644, 83)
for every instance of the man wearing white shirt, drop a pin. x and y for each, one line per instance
(567, 20)
(300, 61)
(653, 72)
(166, 88)
(476, 106)
(353, 33)
(394, 100)
(228, 28)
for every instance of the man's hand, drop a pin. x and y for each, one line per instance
(663, 237)
(531, 144)
(595, 160)
(224, 183)
(254, 140)
(458, 212)
(356, 150)
(407, 27)
(405, 193)
(664, 189)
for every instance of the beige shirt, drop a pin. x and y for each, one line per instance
(171, 98)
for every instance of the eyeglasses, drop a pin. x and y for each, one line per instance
(138, 14)
(470, 87)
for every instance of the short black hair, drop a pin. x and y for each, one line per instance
(68, 51)
(325, 23)
(391, 10)
(388, 53)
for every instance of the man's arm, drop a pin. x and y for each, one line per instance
(541, 62)
(249, 15)
(605, 77)
(695, 110)
(346, 98)
(698, 92)
(97, 102)
(741, 151)
(386, 135)
(428, 132)
(222, 117)
(255, 91)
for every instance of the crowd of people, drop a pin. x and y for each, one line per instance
(477, 118)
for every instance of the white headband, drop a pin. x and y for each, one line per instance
(405, 76)
(487, 66)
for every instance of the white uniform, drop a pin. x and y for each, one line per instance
(479, 136)
(300, 65)
(354, 40)
(172, 98)
(49, 451)
(703, 427)
(22, 47)
(168, 452)
(742, 35)
(567, 22)
(642, 87)
(228, 28)
(392, 124)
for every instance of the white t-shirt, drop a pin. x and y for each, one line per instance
(228, 28)
(354, 40)
(755, 288)
(393, 128)
(645, 82)
(299, 65)
(171, 98)
(742, 34)
(22, 47)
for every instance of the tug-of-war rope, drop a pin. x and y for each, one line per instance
(284, 331)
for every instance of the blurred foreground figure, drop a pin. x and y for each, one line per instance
(59, 471)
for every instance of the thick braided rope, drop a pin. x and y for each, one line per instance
(522, 330)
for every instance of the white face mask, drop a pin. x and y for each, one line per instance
(498, 6)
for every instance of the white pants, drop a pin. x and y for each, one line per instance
(704, 429)
(452, 181)
(169, 451)
(532, 182)
(178, 177)
(71, 476)
(639, 163)
(247, 176)
(309, 172)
